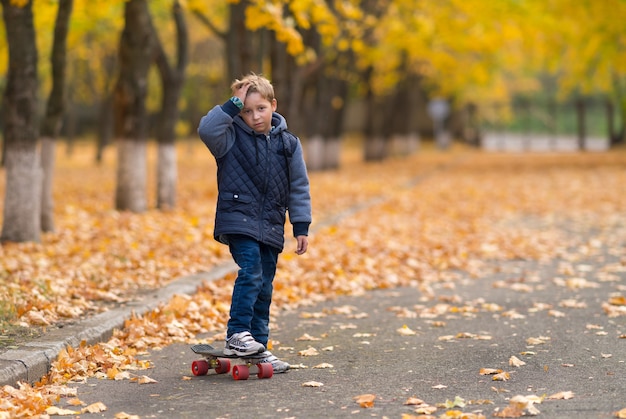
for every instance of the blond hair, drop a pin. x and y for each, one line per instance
(258, 84)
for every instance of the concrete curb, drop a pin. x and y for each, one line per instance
(33, 360)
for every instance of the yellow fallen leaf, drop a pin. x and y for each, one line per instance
(57, 411)
(413, 401)
(144, 379)
(95, 408)
(516, 362)
(537, 341)
(324, 365)
(365, 400)
(406, 331)
(618, 301)
(503, 376)
(309, 352)
(426, 409)
(75, 402)
(620, 413)
(489, 371)
(307, 337)
(519, 406)
(563, 395)
(457, 402)
(122, 375)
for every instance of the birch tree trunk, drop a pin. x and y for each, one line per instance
(22, 201)
(172, 78)
(131, 119)
(51, 125)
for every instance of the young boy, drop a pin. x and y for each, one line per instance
(261, 175)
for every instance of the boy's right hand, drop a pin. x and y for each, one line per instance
(241, 91)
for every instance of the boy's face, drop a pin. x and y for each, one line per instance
(257, 112)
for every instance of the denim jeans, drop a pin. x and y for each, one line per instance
(252, 294)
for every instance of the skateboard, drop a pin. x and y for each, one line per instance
(215, 359)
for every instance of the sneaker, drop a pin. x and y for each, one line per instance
(242, 344)
(278, 365)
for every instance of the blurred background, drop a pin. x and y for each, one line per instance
(384, 75)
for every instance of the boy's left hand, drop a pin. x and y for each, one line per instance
(303, 244)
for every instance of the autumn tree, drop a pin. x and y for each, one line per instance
(587, 59)
(172, 78)
(51, 125)
(136, 55)
(22, 201)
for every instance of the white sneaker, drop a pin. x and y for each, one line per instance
(242, 344)
(278, 365)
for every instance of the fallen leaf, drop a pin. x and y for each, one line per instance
(57, 411)
(563, 395)
(503, 376)
(537, 341)
(413, 401)
(144, 379)
(425, 410)
(312, 384)
(324, 366)
(307, 337)
(94, 408)
(309, 352)
(365, 400)
(406, 331)
(620, 413)
(516, 362)
(457, 402)
(489, 371)
(619, 300)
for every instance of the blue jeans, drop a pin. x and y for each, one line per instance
(252, 294)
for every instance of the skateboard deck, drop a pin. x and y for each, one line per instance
(215, 359)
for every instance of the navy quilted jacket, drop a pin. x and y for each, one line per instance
(259, 177)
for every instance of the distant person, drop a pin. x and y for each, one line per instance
(261, 175)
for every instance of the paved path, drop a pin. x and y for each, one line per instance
(576, 350)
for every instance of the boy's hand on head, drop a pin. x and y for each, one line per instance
(303, 244)
(241, 91)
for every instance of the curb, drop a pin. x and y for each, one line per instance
(33, 360)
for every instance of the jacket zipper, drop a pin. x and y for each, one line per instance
(265, 183)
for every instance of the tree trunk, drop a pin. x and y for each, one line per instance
(136, 56)
(105, 124)
(375, 145)
(241, 44)
(22, 201)
(54, 113)
(172, 81)
(581, 123)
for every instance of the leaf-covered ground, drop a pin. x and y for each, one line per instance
(407, 221)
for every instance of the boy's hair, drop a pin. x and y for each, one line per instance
(258, 83)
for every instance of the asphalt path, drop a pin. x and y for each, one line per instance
(398, 345)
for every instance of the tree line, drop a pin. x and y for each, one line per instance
(391, 56)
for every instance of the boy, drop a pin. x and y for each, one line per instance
(261, 175)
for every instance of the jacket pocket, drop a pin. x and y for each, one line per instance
(235, 202)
